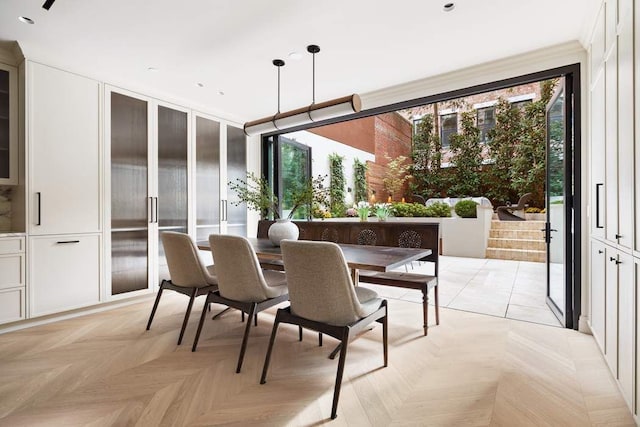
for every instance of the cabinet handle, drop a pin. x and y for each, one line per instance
(64, 242)
(39, 205)
(612, 258)
(150, 210)
(618, 236)
(226, 210)
(598, 186)
(600, 251)
(156, 209)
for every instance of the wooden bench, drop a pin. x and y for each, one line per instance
(389, 233)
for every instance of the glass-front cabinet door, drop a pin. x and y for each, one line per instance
(8, 125)
(235, 212)
(208, 203)
(171, 204)
(131, 203)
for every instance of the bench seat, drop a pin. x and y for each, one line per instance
(401, 279)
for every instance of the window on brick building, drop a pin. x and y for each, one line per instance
(448, 126)
(486, 119)
(521, 104)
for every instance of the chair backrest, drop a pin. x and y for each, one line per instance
(239, 274)
(320, 286)
(523, 201)
(185, 266)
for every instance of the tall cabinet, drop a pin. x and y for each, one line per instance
(168, 172)
(64, 191)
(614, 193)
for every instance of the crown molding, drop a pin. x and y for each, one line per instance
(514, 66)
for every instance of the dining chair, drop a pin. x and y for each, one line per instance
(189, 276)
(242, 283)
(324, 299)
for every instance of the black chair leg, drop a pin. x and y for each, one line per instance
(299, 333)
(247, 329)
(343, 356)
(425, 310)
(319, 339)
(187, 314)
(221, 313)
(155, 305)
(255, 319)
(202, 317)
(385, 337)
(267, 360)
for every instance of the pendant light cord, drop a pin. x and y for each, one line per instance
(313, 49)
(278, 63)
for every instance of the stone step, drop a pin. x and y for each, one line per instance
(516, 254)
(517, 234)
(511, 243)
(517, 225)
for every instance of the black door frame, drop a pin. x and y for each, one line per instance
(571, 73)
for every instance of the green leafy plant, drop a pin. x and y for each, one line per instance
(360, 181)
(466, 157)
(439, 210)
(429, 179)
(258, 195)
(336, 185)
(466, 209)
(409, 209)
(396, 175)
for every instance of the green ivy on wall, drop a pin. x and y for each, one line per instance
(361, 192)
(336, 185)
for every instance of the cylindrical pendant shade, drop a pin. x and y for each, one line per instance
(313, 113)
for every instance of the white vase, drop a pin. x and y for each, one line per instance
(283, 229)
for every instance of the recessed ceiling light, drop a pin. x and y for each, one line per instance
(221, 93)
(200, 84)
(152, 69)
(295, 55)
(26, 20)
(448, 7)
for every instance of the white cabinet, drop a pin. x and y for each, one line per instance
(611, 311)
(597, 157)
(626, 321)
(598, 299)
(611, 146)
(8, 125)
(12, 279)
(64, 272)
(64, 152)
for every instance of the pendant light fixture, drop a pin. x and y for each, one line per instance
(305, 115)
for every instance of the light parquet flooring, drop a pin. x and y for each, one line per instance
(104, 369)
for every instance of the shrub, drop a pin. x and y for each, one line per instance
(439, 210)
(409, 209)
(466, 209)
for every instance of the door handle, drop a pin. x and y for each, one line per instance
(39, 210)
(598, 186)
(156, 209)
(150, 210)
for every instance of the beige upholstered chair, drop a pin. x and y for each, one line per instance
(324, 299)
(188, 274)
(242, 283)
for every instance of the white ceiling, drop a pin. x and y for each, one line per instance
(228, 45)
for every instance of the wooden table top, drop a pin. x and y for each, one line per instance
(363, 257)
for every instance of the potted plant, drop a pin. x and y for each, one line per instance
(257, 194)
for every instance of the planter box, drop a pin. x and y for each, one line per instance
(463, 237)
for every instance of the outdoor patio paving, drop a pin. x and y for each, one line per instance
(503, 288)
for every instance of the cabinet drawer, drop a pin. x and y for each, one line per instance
(11, 271)
(11, 245)
(11, 305)
(65, 273)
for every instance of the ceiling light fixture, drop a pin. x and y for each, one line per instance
(448, 7)
(305, 115)
(200, 84)
(295, 55)
(152, 69)
(25, 20)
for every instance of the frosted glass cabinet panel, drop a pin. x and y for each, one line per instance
(172, 203)
(130, 201)
(8, 125)
(236, 215)
(207, 177)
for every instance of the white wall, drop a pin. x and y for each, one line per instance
(322, 148)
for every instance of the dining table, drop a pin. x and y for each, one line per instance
(358, 257)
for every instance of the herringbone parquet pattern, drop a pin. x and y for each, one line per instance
(104, 369)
